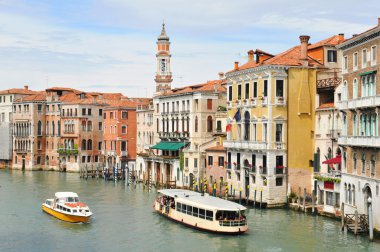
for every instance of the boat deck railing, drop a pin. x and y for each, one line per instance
(232, 223)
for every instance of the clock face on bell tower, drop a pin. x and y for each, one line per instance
(163, 75)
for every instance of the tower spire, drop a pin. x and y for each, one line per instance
(163, 75)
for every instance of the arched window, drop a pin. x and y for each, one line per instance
(187, 124)
(89, 144)
(355, 89)
(59, 128)
(209, 124)
(89, 126)
(246, 125)
(349, 194)
(47, 128)
(83, 125)
(345, 91)
(354, 130)
(196, 124)
(83, 144)
(53, 128)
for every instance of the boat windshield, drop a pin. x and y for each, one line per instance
(72, 199)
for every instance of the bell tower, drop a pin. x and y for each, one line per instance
(163, 75)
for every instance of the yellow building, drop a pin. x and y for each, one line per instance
(271, 104)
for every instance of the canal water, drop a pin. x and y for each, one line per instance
(124, 221)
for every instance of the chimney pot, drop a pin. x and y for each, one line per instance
(341, 36)
(26, 87)
(250, 55)
(304, 43)
(236, 65)
(221, 75)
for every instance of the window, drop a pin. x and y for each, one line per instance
(89, 144)
(246, 91)
(220, 161)
(123, 129)
(219, 126)
(355, 89)
(239, 92)
(330, 198)
(279, 88)
(99, 145)
(39, 128)
(355, 61)
(209, 104)
(373, 55)
(39, 107)
(265, 88)
(255, 89)
(210, 160)
(111, 115)
(278, 132)
(100, 126)
(124, 115)
(100, 112)
(195, 162)
(89, 111)
(230, 93)
(364, 58)
(279, 181)
(186, 162)
(209, 124)
(196, 124)
(331, 56)
(83, 111)
(123, 145)
(345, 64)
(209, 215)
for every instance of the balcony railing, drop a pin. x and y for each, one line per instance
(232, 223)
(241, 144)
(124, 153)
(369, 101)
(279, 170)
(280, 100)
(63, 151)
(368, 141)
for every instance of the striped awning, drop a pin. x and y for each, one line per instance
(173, 146)
(368, 73)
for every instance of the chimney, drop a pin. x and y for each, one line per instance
(341, 36)
(221, 75)
(26, 87)
(250, 55)
(304, 43)
(257, 57)
(378, 22)
(236, 65)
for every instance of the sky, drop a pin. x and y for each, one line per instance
(110, 45)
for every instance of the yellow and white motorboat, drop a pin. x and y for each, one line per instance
(67, 207)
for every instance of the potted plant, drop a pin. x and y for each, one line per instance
(292, 196)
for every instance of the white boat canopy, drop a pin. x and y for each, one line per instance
(65, 194)
(205, 201)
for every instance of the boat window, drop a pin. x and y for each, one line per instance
(189, 210)
(195, 211)
(184, 208)
(201, 213)
(209, 215)
(74, 210)
(72, 199)
(179, 206)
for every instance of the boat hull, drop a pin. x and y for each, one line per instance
(66, 217)
(211, 227)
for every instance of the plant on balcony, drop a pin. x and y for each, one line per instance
(327, 179)
(280, 167)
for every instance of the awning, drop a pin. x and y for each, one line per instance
(173, 146)
(335, 160)
(367, 73)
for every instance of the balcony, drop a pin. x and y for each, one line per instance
(363, 141)
(22, 151)
(63, 151)
(111, 153)
(279, 146)
(242, 144)
(369, 101)
(263, 170)
(279, 170)
(280, 100)
(185, 111)
(124, 153)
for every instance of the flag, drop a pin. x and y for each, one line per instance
(228, 127)
(237, 115)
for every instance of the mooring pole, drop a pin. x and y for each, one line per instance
(370, 222)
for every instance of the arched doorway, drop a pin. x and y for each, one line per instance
(367, 194)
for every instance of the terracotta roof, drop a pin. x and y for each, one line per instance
(290, 57)
(357, 35)
(326, 105)
(130, 103)
(216, 148)
(331, 41)
(53, 89)
(209, 86)
(40, 96)
(17, 91)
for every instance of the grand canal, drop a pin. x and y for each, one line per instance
(124, 221)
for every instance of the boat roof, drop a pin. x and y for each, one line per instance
(207, 201)
(65, 194)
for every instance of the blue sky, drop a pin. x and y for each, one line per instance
(109, 45)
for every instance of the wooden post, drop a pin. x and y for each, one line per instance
(370, 222)
(254, 198)
(356, 222)
(240, 195)
(261, 197)
(299, 198)
(342, 217)
(304, 199)
(312, 202)
(247, 196)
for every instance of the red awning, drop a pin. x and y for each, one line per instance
(335, 160)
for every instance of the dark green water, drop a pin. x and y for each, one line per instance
(124, 221)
